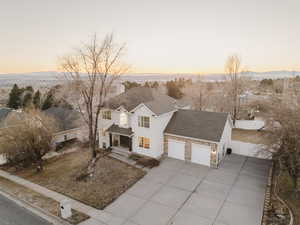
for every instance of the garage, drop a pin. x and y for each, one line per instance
(192, 136)
(176, 149)
(201, 154)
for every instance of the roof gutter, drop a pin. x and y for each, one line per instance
(196, 139)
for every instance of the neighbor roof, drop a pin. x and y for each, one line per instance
(197, 124)
(155, 101)
(4, 113)
(9, 117)
(67, 118)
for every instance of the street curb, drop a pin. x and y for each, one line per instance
(35, 210)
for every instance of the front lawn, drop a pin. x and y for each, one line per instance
(110, 180)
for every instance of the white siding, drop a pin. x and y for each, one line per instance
(104, 124)
(225, 140)
(70, 134)
(155, 132)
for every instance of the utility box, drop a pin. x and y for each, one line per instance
(65, 209)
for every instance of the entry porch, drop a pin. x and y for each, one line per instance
(120, 138)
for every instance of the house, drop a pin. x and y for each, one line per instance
(146, 122)
(69, 123)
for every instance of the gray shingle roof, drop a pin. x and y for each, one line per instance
(197, 124)
(120, 130)
(4, 113)
(155, 101)
(67, 119)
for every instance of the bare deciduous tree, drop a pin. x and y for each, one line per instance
(90, 72)
(197, 93)
(232, 68)
(284, 135)
(28, 138)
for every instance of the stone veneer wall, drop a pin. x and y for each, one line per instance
(188, 148)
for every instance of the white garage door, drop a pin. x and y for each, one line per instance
(176, 149)
(201, 154)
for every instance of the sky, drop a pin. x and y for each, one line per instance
(162, 36)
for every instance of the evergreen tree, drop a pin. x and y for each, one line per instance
(37, 99)
(155, 84)
(14, 100)
(48, 103)
(29, 88)
(146, 84)
(128, 85)
(27, 100)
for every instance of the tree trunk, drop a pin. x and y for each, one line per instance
(234, 116)
(91, 166)
(39, 167)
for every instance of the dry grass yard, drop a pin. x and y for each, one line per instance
(250, 136)
(111, 179)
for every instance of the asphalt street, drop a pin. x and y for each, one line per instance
(13, 214)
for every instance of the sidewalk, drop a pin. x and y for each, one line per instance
(46, 216)
(98, 217)
(52, 154)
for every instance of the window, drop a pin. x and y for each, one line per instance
(106, 115)
(144, 142)
(144, 121)
(123, 119)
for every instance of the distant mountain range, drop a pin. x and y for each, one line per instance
(46, 79)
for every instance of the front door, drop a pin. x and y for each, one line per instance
(124, 141)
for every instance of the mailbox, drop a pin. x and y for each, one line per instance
(65, 209)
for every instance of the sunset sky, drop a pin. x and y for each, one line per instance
(167, 36)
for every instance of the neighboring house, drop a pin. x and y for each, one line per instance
(68, 121)
(4, 113)
(146, 122)
(9, 117)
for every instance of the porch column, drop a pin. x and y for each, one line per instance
(130, 144)
(110, 140)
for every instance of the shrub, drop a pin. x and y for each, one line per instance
(135, 156)
(148, 162)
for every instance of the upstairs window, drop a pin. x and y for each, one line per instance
(144, 142)
(106, 115)
(144, 121)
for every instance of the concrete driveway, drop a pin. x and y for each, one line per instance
(181, 193)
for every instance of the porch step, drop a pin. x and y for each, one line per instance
(128, 161)
(121, 152)
(122, 158)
